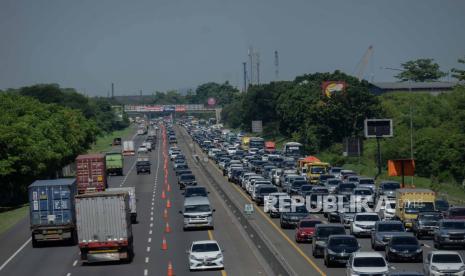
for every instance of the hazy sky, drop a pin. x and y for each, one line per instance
(160, 45)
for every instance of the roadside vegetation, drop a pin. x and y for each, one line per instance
(11, 217)
(42, 129)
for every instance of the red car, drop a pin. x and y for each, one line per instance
(305, 229)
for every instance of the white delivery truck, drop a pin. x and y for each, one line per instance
(128, 148)
(132, 200)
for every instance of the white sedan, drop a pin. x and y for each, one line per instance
(205, 255)
(142, 149)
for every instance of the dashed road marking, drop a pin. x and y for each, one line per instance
(14, 254)
(75, 262)
(146, 260)
(150, 232)
(148, 248)
(146, 272)
(68, 274)
(149, 240)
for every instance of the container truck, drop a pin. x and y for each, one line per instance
(104, 227)
(128, 148)
(52, 214)
(410, 202)
(132, 200)
(114, 163)
(91, 173)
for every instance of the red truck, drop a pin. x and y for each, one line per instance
(270, 147)
(91, 173)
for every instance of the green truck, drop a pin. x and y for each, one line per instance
(114, 163)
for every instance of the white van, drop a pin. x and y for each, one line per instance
(197, 213)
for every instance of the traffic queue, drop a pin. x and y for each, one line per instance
(396, 219)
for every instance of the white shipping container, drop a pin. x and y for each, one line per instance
(128, 148)
(132, 200)
(103, 217)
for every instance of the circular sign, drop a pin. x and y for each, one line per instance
(211, 101)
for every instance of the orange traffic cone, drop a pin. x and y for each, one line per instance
(168, 203)
(163, 195)
(170, 269)
(167, 228)
(164, 245)
(165, 214)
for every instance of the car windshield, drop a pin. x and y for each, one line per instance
(343, 242)
(336, 170)
(317, 170)
(298, 183)
(404, 240)
(195, 192)
(366, 181)
(453, 224)
(346, 187)
(442, 205)
(268, 190)
(363, 192)
(391, 227)
(328, 231)
(367, 218)
(415, 207)
(187, 177)
(391, 186)
(333, 182)
(205, 247)
(309, 223)
(446, 258)
(306, 188)
(197, 208)
(369, 262)
(301, 209)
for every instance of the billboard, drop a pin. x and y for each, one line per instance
(378, 128)
(257, 127)
(332, 87)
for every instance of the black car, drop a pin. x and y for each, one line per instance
(181, 172)
(321, 236)
(442, 205)
(186, 180)
(181, 167)
(294, 188)
(345, 189)
(339, 248)
(195, 191)
(262, 191)
(143, 167)
(275, 212)
(291, 219)
(404, 248)
(426, 223)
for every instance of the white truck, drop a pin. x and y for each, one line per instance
(128, 148)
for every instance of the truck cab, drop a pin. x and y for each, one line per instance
(410, 202)
(315, 169)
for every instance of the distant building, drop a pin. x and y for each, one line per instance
(425, 87)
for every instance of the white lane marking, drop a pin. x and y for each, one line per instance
(146, 272)
(148, 248)
(153, 203)
(150, 240)
(151, 225)
(14, 254)
(68, 274)
(75, 262)
(151, 218)
(127, 174)
(151, 208)
(150, 232)
(151, 213)
(146, 260)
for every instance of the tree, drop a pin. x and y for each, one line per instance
(459, 73)
(420, 70)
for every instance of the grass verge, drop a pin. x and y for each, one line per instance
(9, 218)
(103, 143)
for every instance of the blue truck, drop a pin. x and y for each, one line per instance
(52, 211)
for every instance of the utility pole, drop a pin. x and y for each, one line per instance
(112, 90)
(276, 65)
(251, 61)
(258, 67)
(244, 65)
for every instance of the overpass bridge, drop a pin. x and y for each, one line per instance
(173, 109)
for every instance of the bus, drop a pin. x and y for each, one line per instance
(292, 149)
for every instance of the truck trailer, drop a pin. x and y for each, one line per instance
(91, 173)
(104, 227)
(52, 213)
(132, 200)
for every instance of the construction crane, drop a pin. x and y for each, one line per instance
(362, 65)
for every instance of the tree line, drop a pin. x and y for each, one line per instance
(42, 129)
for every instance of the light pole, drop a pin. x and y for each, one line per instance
(410, 108)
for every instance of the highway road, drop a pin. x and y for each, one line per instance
(17, 257)
(297, 257)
